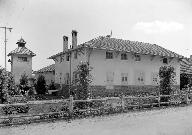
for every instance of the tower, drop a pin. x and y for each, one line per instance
(21, 61)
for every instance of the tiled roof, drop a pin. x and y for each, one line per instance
(49, 68)
(22, 50)
(186, 66)
(108, 43)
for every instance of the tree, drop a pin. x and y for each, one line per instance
(3, 85)
(40, 86)
(7, 85)
(81, 82)
(24, 83)
(167, 78)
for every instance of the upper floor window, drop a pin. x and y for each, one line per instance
(123, 56)
(165, 60)
(67, 57)
(22, 59)
(109, 55)
(137, 57)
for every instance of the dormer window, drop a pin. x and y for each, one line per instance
(22, 59)
(165, 60)
(109, 55)
(137, 57)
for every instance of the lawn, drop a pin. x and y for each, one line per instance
(169, 121)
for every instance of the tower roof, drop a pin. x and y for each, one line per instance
(21, 49)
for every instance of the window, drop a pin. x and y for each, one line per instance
(75, 76)
(67, 57)
(23, 59)
(165, 60)
(140, 78)
(155, 79)
(137, 58)
(123, 56)
(109, 55)
(109, 80)
(124, 78)
(75, 55)
(67, 78)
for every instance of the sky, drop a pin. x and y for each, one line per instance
(43, 23)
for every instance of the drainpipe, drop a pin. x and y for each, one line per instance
(88, 61)
(69, 73)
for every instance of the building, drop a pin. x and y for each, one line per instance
(186, 66)
(21, 61)
(48, 72)
(186, 72)
(117, 65)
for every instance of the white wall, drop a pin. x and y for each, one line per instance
(61, 68)
(101, 66)
(18, 67)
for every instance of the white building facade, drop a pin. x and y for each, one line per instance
(118, 66)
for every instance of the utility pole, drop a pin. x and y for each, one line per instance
(5, 28)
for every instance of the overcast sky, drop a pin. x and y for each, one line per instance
(42, 23)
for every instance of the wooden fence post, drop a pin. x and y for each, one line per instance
(187, 98)
(159, 99)
(123, 102)
(71, 104)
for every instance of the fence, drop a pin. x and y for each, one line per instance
(77, 108)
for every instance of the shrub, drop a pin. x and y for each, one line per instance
(52, 86)
(17, 99)
(7, 85)
(10, 109)
(40, 86)
(24, 84)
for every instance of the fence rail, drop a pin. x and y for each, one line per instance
(106, 105)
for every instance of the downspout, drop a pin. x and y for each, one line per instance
(88, 62)
(69, 73)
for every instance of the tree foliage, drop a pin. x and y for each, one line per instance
(81, 83)
(40, 85)
(7, 85)
(167, 78)
(24, 83)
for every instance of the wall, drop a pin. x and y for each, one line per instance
(63, 67)
(148, 65)
(20, 67)
(100, 66)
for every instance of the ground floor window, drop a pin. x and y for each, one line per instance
(124, 78)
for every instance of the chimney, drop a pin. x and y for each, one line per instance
(65, 43)
(74, 38)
